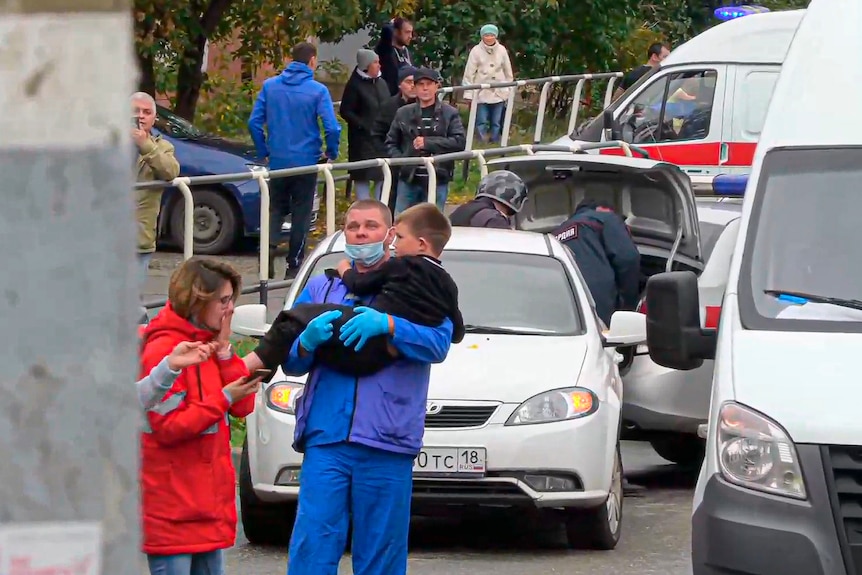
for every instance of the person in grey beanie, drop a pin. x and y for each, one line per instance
(365, 93)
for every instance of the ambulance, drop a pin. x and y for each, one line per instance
(703, 108)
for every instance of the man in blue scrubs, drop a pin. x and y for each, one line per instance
(359, 435)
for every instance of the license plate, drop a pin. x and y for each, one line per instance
(441, 461)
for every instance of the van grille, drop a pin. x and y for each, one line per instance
(846, 470)
(453, 416)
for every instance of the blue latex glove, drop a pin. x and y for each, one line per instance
(367, 323)
(318, 330)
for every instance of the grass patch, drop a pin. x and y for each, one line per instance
(242, 346)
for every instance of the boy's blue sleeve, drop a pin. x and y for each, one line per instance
(296, 364)
(331, 127)
(256, 121)
(421, 343)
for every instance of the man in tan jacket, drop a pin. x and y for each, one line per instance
(156, 161)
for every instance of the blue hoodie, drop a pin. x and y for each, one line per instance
(290, 104)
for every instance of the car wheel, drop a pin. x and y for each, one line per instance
(216, 222)
(263, 523)
(682, 449)
(599, 527)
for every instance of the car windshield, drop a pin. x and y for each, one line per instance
(803, 242)
(511, 293)
(169, 123)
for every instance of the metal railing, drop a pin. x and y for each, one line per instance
(546, 83)
(184, 184)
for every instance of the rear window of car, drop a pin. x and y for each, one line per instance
(529, 294)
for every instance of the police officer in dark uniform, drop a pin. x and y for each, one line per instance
(499, 197)
(606, 255)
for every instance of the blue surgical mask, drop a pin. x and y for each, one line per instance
(365, 254)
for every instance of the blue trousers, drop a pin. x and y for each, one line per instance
(211, 563)
(490, 115)
(408, 195)
(344, 481)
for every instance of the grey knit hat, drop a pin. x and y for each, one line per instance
(364, 59)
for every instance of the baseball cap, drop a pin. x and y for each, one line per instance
(405, 72)
(426, 74)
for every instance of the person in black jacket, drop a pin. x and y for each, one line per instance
(413, 286)
(406, 95)
(363, 96)
(606, 254)
(395, 37)
(500, 195)
(427, 128)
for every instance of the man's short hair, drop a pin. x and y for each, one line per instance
(145, 97)
(370, 204)
(399, 22)
(655, 49)
(427, 221)
(303, 52)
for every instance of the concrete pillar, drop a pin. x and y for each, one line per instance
(68, 350)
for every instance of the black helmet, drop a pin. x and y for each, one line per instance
(504, 186)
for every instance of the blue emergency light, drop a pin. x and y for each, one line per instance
(729, 184)
(732, 12)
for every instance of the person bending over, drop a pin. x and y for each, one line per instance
(413, 286)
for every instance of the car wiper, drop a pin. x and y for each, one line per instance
(470, 328)
(851, 303)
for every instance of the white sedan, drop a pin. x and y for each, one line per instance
(525, 412)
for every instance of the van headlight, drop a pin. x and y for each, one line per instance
(282, 396)
(556, 405)
(755, 452)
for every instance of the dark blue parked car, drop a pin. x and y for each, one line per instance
(223, 212)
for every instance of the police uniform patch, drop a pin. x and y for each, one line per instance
(570, 233)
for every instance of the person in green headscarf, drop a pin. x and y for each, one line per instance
(488, 63)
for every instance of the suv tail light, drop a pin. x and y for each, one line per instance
(641, 306)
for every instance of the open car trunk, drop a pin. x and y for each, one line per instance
(656, 199)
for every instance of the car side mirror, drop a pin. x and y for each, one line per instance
(612, 129)
(627, 328)
(250, 320)
(674, 334)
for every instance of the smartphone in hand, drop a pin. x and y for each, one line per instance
(260, 374)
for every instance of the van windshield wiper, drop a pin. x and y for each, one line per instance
(851, 303)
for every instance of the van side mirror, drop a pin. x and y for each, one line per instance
(674, 334)
(612, 130)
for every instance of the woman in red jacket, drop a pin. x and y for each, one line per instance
(187, 477)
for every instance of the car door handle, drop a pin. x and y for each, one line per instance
(723, 154)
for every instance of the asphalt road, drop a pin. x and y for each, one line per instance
(655, 538)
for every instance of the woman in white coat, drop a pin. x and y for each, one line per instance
(488, 63)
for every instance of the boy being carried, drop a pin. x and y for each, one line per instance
(413, 286)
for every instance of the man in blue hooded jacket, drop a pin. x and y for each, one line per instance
(606, 254)
(359, 435)
(289, 105)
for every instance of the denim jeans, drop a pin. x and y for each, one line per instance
(211, 563)
(292, 195)
(364, 189)
(490, 114)
(411, 194)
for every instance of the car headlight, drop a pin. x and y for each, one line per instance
(556, 405)
(282, 396)
(755, 452)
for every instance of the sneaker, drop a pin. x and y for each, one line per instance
(290, 273)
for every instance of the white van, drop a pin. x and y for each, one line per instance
(730, 71)
(780, 490)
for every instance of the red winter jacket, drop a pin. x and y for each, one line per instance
(188, 486)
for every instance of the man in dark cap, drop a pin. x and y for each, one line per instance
(406, 95)
(428, 127)
(606, 255)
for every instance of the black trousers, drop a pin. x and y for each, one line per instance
(292, 195)
(276, 344)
